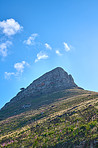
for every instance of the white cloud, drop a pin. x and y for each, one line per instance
(10, 27)
(48, 46)
(19, 69)
(58, 52)
(31, 39)
(20, 66)
(3, 48)
(8, 74)
(40, 56)
(67, 48)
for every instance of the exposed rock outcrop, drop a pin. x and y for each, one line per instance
(54, 80)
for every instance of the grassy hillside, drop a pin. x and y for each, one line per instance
(15, 107)
(67, 119)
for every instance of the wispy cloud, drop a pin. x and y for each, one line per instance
(48, 46)
(58, 52)
(67, 48)
(40, 56)
(3, 48)
(19, 69)
(31, 39)
(8, 74)
(10, 27)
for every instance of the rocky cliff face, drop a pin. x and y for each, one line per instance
(55, 80)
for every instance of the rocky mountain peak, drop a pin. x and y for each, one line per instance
(54, 80)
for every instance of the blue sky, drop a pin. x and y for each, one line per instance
(37, 36)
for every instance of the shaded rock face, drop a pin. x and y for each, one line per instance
(55, 80)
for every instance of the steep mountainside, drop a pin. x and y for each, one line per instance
(37, 93)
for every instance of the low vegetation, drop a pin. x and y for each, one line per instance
(67, 122)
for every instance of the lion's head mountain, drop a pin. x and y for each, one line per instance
(37, 93)
(53, 111)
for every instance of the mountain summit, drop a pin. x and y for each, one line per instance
(54, 80)
(51, 82)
